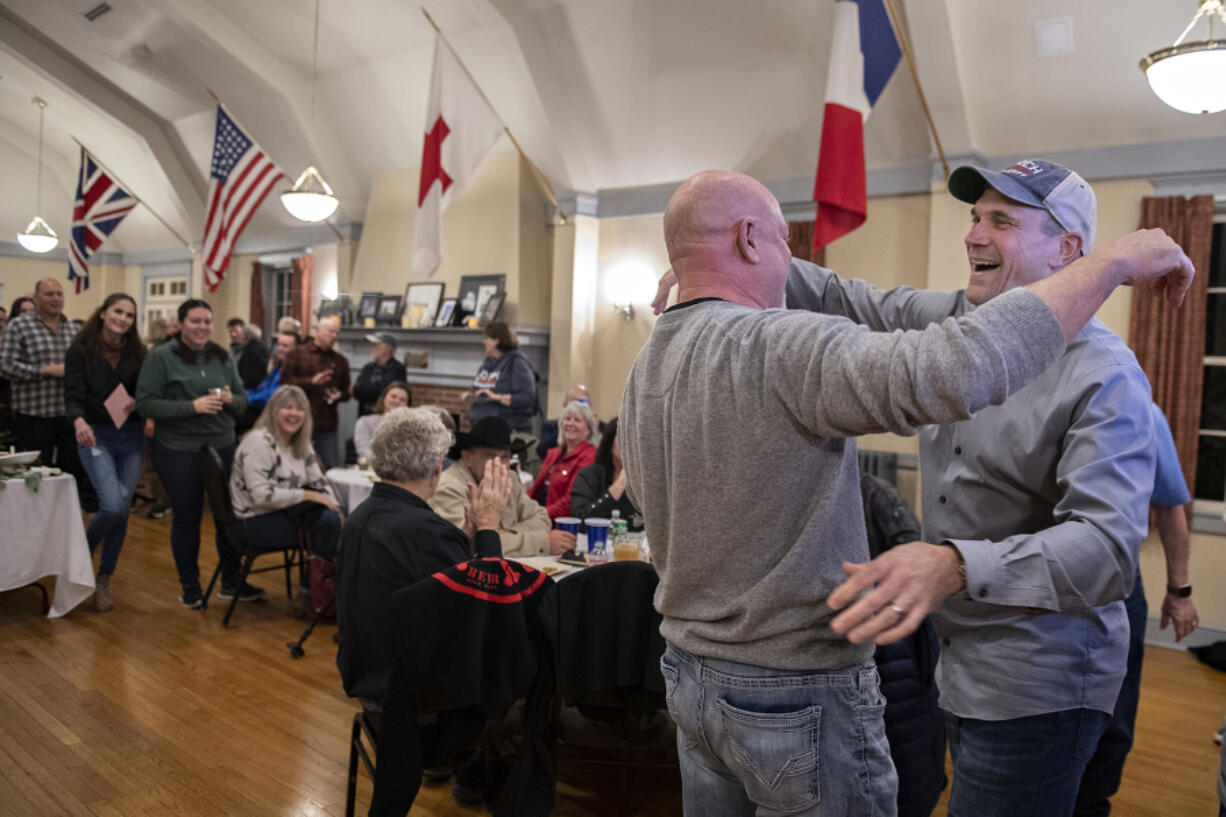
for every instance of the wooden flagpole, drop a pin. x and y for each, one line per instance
(540, 177)
(190, 248)
(904, 43)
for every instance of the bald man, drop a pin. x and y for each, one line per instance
(323, 373)
(736, 435)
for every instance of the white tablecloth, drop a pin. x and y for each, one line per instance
(41, 535)
(351, 485)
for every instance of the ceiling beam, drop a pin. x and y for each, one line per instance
(44, 55)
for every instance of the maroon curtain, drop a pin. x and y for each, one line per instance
(256, 310)
(1170, 343)
(300, 291)
(800, 241)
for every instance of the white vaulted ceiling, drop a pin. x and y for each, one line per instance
(602, 94)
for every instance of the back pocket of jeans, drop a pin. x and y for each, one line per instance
(672, 676)
(775, 753)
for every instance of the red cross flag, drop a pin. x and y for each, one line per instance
(461, 127)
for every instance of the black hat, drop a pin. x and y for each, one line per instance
(488, 432)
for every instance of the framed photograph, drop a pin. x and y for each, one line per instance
(421, 303)
(489, 311)
(369, 306)
(446, 311)
(389, 310)
(475, 292)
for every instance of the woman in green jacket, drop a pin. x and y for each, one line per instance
(191, 390)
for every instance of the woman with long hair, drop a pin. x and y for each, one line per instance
(600, 488)
(573, 453)
(191, 390)
(277, 485)
(394, 395)
(101, 368)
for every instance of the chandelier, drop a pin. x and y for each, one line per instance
(38, 235)
(311, 199)
(1191, 77)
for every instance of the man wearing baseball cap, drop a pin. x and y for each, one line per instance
(383, 368)
(1044, 499)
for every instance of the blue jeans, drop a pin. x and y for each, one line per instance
(114, 468)
(1105, 769)
(1024, 767)
(182, 476)
(324, 443)
(758, 741)
(280, 528)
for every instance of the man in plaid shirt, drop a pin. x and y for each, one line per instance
(32, 358)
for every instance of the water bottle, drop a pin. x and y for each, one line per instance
(617, 526)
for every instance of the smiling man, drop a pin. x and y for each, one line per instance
(1043, 499)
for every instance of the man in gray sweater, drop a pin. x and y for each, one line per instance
(736, 435)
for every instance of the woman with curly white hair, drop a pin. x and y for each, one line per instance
(394, 539)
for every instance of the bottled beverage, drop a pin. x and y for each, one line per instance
(617, 525)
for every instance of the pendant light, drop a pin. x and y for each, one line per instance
(38, 235)
(311, 199)
(1190, 76)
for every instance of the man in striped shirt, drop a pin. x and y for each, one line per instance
(32, 358)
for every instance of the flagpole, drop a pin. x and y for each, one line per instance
(904, 43)
(540, 177)
(139, 200)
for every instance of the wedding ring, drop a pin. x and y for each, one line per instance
(897, 609)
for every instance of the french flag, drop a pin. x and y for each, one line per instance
(863, 56)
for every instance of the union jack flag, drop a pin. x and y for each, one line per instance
(240, 177)
(101, 204)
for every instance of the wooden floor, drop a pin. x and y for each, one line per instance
(155, 710)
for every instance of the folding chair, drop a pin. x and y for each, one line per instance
(217, 489)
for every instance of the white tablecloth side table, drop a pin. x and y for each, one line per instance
(351, 486)
(41, 534)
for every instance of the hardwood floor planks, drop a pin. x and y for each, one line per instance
(156, 710)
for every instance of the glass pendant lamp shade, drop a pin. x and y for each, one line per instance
(311, 198)
(1191, 77)
(38, 236)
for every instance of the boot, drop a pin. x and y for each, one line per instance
(102, 593)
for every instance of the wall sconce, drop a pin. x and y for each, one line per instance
(628, 281)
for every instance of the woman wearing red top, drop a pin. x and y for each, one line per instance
(563, 463)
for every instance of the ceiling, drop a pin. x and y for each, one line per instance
(601, 94)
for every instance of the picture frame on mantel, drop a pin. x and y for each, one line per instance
(389, 310)
(475, 293)
(421, 302)
(446, 312)
(491, 308)
(369, 305)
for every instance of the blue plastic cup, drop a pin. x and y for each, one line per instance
(598, 548)
(569, 524)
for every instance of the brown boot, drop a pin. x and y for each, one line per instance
(102, 593)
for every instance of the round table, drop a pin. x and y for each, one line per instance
(44, 536)
(351, 486)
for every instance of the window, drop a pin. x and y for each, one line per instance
(1211, 448)
(283, 296)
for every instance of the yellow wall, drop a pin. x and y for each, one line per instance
(20, 274)
(494, 225)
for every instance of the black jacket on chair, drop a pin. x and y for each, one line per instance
(469, 642)
(391, 541)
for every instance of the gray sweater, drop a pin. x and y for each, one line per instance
(735, 428)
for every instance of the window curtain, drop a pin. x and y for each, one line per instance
(800, 241)
(256, 310)
(300, 291)
(1170, 343)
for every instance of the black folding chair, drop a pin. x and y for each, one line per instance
(217, 489)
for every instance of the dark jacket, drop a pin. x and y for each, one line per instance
(301, 364)
(509, 374)
(589, 496)
(372, 380)
(470, 641)
(252, 364)
(914, 724)
(89, 380)
(390, 541)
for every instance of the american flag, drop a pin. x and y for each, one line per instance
(241, 176)
(101, 204)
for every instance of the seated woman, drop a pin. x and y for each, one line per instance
(564, 461)
(277, 484)
(394, 396)
(600, 488)
(394, 539)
